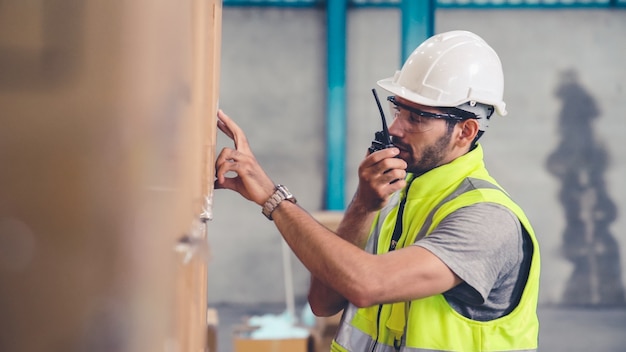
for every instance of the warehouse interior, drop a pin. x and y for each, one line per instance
(112, 237)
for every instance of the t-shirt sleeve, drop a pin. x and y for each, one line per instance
(479, 243)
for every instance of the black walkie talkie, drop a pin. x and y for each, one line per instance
(382, 139)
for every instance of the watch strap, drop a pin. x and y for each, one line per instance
(280, 193)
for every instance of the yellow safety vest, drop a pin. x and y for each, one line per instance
(431, 324)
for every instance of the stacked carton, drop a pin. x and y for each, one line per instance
(324, 331)
(244, 341)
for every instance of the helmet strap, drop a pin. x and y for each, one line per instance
(475, 141)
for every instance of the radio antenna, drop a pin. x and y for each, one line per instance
(382, 116)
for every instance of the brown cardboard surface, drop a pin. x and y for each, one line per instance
(108, 119)
(330, 219)
(244, 344)
(212, 327)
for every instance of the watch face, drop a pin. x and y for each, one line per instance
(286, 192)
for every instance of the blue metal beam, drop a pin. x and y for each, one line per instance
(418, 24)
(456, 4)
(336, 104)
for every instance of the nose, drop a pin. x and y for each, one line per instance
(395, 129)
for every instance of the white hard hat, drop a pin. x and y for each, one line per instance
(448, 70)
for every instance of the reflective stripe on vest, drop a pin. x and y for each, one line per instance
(468, 184)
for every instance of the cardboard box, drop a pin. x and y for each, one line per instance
(212, 321)
(330, 219)
(244, 344)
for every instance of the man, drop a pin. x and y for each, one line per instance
(431, 255)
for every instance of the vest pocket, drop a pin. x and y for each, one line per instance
(366, 319)
(396, 322)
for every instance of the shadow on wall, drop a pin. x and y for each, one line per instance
(580, 162)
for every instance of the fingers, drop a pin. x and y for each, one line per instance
(226, 183)
(225, 163)
(229, 160)
(385, 163)
(382, 154)
(373, 195)
(222, 126)
(233, 131)
(393, 175)
(380, 175)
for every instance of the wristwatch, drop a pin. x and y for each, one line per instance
(281, 193)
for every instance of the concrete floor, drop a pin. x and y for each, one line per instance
(568, 329)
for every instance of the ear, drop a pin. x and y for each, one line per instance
(468, 129)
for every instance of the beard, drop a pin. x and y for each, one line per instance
(432, 155)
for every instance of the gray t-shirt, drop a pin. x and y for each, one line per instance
(485, 245)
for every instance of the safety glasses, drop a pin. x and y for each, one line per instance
(416, 120)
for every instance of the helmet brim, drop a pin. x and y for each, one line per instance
(389, 85)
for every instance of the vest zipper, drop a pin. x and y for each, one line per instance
(380, 309)
(395, 238)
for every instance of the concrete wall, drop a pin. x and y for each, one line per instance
(565, 93)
